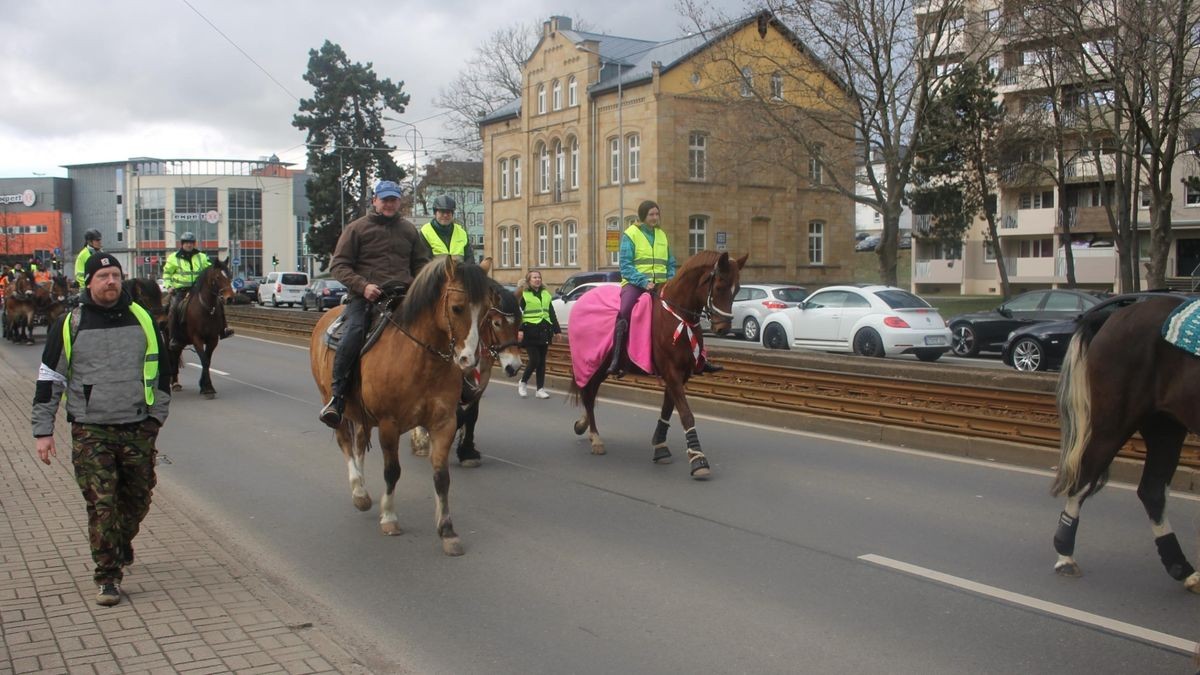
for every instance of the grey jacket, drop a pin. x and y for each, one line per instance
(103, 382)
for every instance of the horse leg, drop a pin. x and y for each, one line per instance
(468, 455)
(662, 454)
(389, 441)
(352, 439)
(418, 439)
(442, 436)
(176, 366)
(587, 422)
(1097, 456)
(1164, 441)
(696, 459)
(206, 386)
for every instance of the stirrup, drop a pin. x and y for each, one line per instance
(331, 414)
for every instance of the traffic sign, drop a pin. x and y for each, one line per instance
(237, 261)
(57, 251)
(238, 283)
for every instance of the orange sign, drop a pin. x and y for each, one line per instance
(612, 241)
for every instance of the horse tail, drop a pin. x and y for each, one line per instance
(1074, 410)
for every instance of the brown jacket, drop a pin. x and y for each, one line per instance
(378, 250)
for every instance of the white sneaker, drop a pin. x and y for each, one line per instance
(541, 393)
(522, 391)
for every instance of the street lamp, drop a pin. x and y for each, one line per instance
(415, 140)
(620, 140)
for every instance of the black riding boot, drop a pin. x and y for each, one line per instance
(176, 323)
(710, 367)
(619, 337)
(331, 414)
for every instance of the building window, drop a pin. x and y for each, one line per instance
(151, 214)
(245, 231)
(989, 251)
(192, 206)
(516, 237)
(991, 18)
(572, 244)
(504, 247)
(635, 157)
(556, 95)
(816, 243)
(574, 163)
(556, 249)
(777, 86)
(614, 160)
(1144, 195)
(697, 156)
(504, 179)
(542, 245)
(1193, 195)
(543, 168)
(995, 64)
(560, 168)
(572, 92)
(1043, 199)
(541, 99)
(613, 225)
(814, 165)
(1036, 248)
(747, 81)
(516, 175)
(697, 234)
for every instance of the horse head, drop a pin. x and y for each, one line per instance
(222, 283)
(60, 287)
(22, 285)
(457, 294)
(705, 285)
(501, 323)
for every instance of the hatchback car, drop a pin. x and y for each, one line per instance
(753, 302)
(864, 320)
(562, 305)
(988, 331)
(323, 294)
(282, 287)
(1042, 346)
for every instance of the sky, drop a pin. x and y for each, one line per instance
(88, 82)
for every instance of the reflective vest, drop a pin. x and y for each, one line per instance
(536, 310)
(458, 240)
(181, 273)
(149, 364)
(649, 259)
(81, 263)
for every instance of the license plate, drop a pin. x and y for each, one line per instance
(935, 340)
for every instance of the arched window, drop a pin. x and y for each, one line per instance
(504, 247)
(516, 174)
(572, 92)
(542, 244)
(557, 249)
(543, 168)
(560, 161)
(516, 239)
(777, 86)
(541, 99)
(556, 95)
(574, 163)
(634, 143)
(504, 179)
(572, 244)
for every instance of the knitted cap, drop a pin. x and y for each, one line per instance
(96, 263)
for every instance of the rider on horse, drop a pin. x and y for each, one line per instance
(444, 236)
(182, 269)
(92, 247)
(377, 251)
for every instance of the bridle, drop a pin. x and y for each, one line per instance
(214, 285)
(447, 355)
(710, 310)
(495, 349)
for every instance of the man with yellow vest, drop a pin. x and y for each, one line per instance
(91, 247)
(180, 272)
(446, 237)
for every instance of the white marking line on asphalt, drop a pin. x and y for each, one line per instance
(1076, 615)
(210, 369)
(272, 342)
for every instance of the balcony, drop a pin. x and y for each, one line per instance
(1026, 270)
(1085, 168)
(937, 271)
(1092, 265)
(1028, 222)
(922, 224)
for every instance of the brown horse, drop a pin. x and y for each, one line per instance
(203, 317)
(50, 299)
(411, 377)
(705, 285)
(20, 304)
(1120, 376)
(497, 344)
(146, 293)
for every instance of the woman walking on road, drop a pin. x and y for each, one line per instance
(539, 325)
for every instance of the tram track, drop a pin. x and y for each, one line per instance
(1013, 407)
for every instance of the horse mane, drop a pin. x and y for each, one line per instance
(216, 266)
(699, 263)
(426, 289)
(508, 299)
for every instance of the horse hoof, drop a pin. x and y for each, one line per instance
(581, 426)
(210, 395)
(1192, 583)
(452, 547)
(700, 470)
(1068, 569)
(662, 455)
(176, 387)
(390, 529)
(469, 463)
(598, 449)
(363, 503)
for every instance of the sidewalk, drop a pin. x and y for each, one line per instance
(189, 605)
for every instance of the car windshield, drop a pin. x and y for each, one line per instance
(334, 284)
(790, 294)
(897, 299)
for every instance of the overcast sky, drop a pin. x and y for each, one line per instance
(104, 81)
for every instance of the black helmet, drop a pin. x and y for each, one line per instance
(92, 235)
(444, 203)
(187, 236)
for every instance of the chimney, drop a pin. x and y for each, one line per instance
(558, 23)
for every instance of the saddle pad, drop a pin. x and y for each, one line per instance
(1182, 327)
(590, 332)
(376, 321)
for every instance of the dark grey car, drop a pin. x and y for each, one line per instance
(988, 331)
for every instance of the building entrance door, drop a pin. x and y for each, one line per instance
(1187, 257)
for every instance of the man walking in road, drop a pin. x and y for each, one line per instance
(105, 355)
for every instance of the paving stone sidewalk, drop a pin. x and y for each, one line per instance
(190, 606)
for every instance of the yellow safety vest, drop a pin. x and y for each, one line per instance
(536, 311)
(458, 240)
(649, 259)
(149, 364)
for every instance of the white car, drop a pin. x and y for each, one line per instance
(562, 305)
(863, 320)
(282, 287)
(753, 302)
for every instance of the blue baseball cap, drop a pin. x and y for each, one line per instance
(387, 188)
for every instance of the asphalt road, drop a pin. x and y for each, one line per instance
(802, 554)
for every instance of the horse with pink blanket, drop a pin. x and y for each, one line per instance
(664, 340)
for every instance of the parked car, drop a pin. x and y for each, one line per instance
(869, 244)
(864, 320)
(578, 278)
(323, 294)
(905, 241)
(1042, 346)
(249, 289)
(563, 304)
(282, 287)
(988, 331)
(753, 302)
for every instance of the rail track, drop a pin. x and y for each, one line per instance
(1014, 407)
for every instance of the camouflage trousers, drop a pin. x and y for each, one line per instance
(114, 467)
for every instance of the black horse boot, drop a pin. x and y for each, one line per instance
(710, 367)
(619, 337)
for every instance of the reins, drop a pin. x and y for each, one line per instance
(447, 355)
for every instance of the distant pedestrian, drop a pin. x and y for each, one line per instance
(539, 325)
(105, 355)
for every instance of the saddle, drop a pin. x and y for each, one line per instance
(378, 317)
(1182, 327)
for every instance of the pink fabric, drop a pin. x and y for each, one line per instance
(590, 332)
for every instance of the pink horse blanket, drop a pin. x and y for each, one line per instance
(593, 322)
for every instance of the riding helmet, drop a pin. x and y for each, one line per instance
(187, 236)
(92, 235)
(445, 203)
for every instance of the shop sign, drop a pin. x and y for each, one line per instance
(26, 198)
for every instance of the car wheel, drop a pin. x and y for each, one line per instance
(750, 329)
(965, 342)
(304, 305)
(775, 338)
(1028, 355)
(929, 355)
(274, 300)
(868, 343)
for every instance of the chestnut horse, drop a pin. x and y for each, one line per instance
(411, 377)
(497, 344)
(705, 285)
(1120, 376)
(203, 317)
(19, 307)
(50, 299)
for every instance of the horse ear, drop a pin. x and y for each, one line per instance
(741, 262)
(486, 265)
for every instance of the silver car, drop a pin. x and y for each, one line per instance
(753, 302)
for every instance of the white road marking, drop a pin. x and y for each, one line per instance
(272, 342)
(1069, 613)
(210, 369)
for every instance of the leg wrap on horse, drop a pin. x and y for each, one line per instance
(660, 432)
(693, 439)
(1064, 536)
(696, 457)
(1172, 557)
